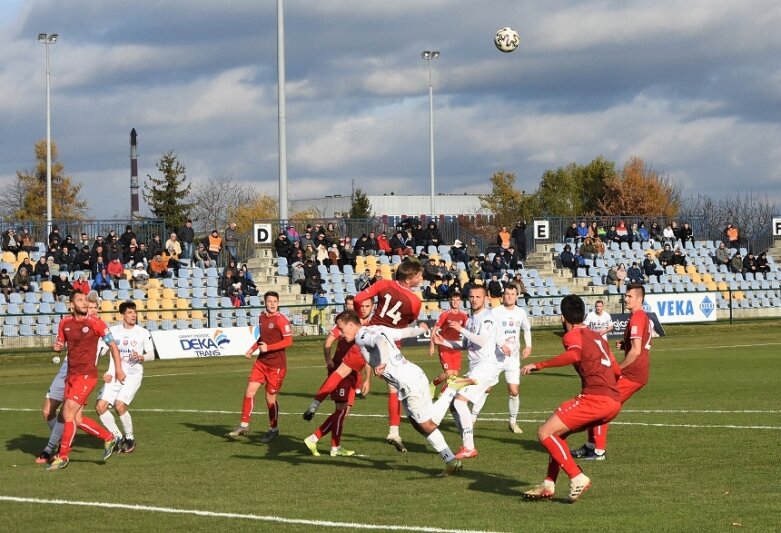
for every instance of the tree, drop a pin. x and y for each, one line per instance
(261, 207)
(167, 196)
(749, 212)
(574, 190)
(505, 202)
(640, 190)
(360, 206)
(217, 201)
(28, 192)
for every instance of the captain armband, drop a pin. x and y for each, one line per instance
(108, 338)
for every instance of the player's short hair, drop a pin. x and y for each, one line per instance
(455, 295)
(409, 268)
(348, 316)
(511, 286)
(573, 309)
(349, 299)
(636, 287)
(275, 294)
(124, 306)
(599, 302)
(478, 287)
(93, 297)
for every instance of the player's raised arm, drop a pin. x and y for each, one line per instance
(572, 355)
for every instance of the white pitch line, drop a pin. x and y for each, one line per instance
(240, 516)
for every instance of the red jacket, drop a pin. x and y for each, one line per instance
(115, 269)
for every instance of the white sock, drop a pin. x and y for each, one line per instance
(478, 406)
(456, 419)
(55, 436)
(466, 424)
(107, 419)
(437, 441)
(127, 423)
(51, 423)
(442, 405)
(513, 405)
(312, 438)
(393, 431)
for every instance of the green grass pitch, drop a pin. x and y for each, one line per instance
(698, 450)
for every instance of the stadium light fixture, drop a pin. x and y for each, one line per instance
(429, 56)
(47, 39)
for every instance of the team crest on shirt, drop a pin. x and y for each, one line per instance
(85, 329)
(271, 325)
(133, 342)
(287, 328)
(124, 342)
(634, 330)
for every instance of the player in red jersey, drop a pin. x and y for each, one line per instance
(397, 307)
(597, 402)
(449, 358)
(269, 368)
(365, 314)
(636, 346)
(81, 333)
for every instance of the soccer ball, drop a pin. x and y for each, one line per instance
(506, 40)
(56, 359)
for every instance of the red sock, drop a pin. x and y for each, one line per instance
(328, 386)
(394, 408)
(66, 443)
(359, 381)
(325, 427)
(93, 428)
(598, 435)
(246, 409)
(438, 380)
(336, 431)
(273, 414)
(557, 448)
(553, 470)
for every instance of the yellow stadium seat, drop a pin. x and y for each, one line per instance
(722, 286)
(182, 315)
(707, 278)
(167, 304)
(711, 286)
(22, 255)
(9, 257)
(197, 313)
(680, 270)
(169, 294)
(182, 303)
(47, 286)
(128, 274)
(738, 295)
(495, 302)
(691, 269)
(153, 283)
(695, 277)
(385, 272)
(153, 294)
(107, 306)
(167, 315)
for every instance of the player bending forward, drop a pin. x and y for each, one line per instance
(135, 348)
(449, 358)
(596, 404)
(81, 333)
(378, 347)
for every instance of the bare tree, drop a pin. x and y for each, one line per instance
(12, 195)
(750, 212)
(212, 200)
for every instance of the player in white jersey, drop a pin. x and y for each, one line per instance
(135, 348)
(479, 339)
(510, 322)
(599, 320)
(378, 347)
(56, 394)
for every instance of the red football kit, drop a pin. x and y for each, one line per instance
(450, 358)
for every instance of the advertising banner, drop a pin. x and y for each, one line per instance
(620, 320)
(679, 308)
(207, 342)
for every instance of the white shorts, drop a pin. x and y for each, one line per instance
(486, 375)
(57, 389)
(123, 392)
(417, 396)
(511, 366)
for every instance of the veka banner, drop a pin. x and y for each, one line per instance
(682, 307)
(207, 342)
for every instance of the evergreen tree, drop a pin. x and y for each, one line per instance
(360, 207)
(167, 196)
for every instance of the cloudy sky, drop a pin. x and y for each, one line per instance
(694, 88)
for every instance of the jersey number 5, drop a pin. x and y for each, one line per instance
(391, 312)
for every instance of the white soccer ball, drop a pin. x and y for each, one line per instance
(507, 39)
(56, 359)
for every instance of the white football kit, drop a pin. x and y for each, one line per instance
(129, 341)
(597, 322)
(509, 324)
(479, 339)
(378, 347)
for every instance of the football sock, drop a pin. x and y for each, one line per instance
(314, 437)
(456, 418)
(557, 448)
(68, 432)
(93, 428)
(466, 424)
(246, 410)
(513, 405)
(107, 419)
(394, 408)
(55, 436)
(478, 406)
(328, 386)
(600, 437)
(437, 441)
(553, 470)
(393, 431)
(51, 421)
(336, 431)
(273, 414)
(441, 406)
(325, 427)
(127, 423)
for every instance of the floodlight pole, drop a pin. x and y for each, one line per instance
(48, 39)
(429, 56)
(281, 117)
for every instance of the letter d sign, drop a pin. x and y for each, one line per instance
(541, 230)
(262, 233)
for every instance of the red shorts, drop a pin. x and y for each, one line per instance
(587, 410)
(79, 387)
(450, 359)
(627, 388)
(345, 391)
(272, 377)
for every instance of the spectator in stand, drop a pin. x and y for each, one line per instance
(41, 270)
(571, 233)
(519, 239)
(486, 268)
(100, 264)
(676, 231)
(226, 282)
(474, 270)
(27, 265)
(214, 245)
(134, 255)
(22, 281)
(733, 236)
(331, 236)
(518, 282)
(309, 252)
(503, 238)
(292, 233)
(346, 254)
(173, 242)
(27, 242)
(400, 246)
(736, 263)
(433, 236)
(248, 287)
(498, 264)
(657, 233)
(431, 271)
(83, 259)
(297, 274)
(6, 284)
(419, 234)
(599, 245)
(365, 246)
(54, 235)
(62, 287)
(568, 260)
(668, 235)
(82, 285)
(749, 264)
(495, 287)
(187, 238)
(126, 237)
(763, 267)
(722, 255)
(158, 267)
(624, 235)
(472, 250)
(650, 267)
(10, 243)
(116, 270)
(201, 257)
(514, 261)
(321, 255)
(310, 269)
(232, 241)
(666, 256)
(154, 247)
(621, 274)
(634, 275)
(84, 241)
(363, 281)
(612, 236)
(592, 230)
(294, 251)
(582, 231)
(306, 239)
(633, 233)
(587, 249)
(333, 255)
(282, 245)
(687, 234)
(171, 259)
(642, 234)
(679, 258)
(383, 246)
(139, 275)
(318, 313)
(312, 284)
(102, 281)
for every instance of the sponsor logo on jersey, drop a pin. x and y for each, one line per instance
(85, 329)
